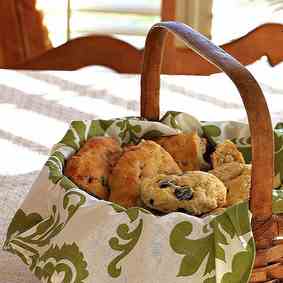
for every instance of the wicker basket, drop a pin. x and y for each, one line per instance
(268, 265)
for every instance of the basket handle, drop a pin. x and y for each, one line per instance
(253, 99)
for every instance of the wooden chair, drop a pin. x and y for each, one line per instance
(22, 32)
(125, 58)
(265, 40)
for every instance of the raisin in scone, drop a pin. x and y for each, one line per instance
(146, 159)
(90, 167)
(226, 152)
(194, 192)
(237, 179)
(186, 149)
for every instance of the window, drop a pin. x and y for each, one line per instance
(234, 18)
(125, 19)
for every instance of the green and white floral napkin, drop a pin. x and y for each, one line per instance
(66, 235)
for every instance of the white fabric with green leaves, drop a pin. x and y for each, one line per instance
(66, 235)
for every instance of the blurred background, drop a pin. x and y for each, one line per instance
(29, 27)
(222, 21)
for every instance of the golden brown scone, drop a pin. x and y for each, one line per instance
(238, 189)
(146, 159)
(90, 167)
(186, 149)
(228, 171)
(226, 152)
(237, 179)
(194, 192)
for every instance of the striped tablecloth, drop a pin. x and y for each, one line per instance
(36, 108)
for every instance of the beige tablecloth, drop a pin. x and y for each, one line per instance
(36, 107)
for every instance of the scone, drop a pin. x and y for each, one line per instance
(237, 179)
(90, 167)
(228, 171)
(226, 152)
(194, 192)
(146, 159)
(186, 149)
